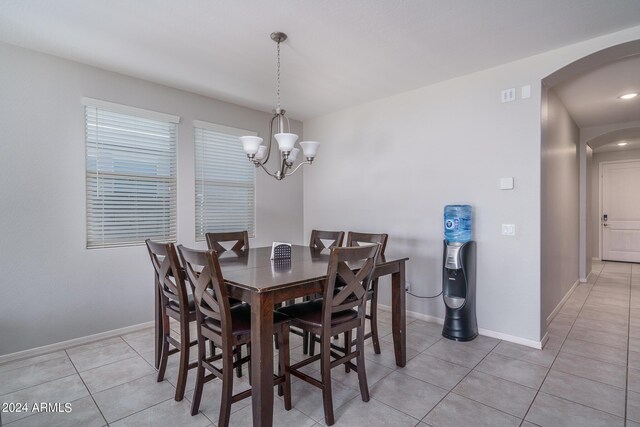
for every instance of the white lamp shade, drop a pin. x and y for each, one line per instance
(310, 148)
(262, 153)
(286, 141)
(250, 144)
(293, 155)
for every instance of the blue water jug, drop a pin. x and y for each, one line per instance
(458, 226)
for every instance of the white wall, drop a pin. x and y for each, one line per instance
(559, 206)
(598, 158)
(392, 164)
(53, 288)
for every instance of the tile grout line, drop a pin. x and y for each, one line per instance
(88, 391)
(556, 356)
(462, 379)
(626, 373)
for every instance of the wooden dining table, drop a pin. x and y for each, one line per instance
(252, 276)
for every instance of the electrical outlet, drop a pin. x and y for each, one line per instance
(508, 229)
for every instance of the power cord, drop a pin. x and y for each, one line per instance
(419, 296)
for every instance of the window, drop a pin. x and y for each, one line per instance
(225, 181)
(130, 175)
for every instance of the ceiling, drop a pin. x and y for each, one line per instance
(610, 140)
(592, 98)
(339, 53)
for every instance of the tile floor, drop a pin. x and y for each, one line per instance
(587, 374)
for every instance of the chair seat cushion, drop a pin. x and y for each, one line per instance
(310, 312)
(241, 320)
(191, 303)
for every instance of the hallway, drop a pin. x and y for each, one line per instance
(595, 377)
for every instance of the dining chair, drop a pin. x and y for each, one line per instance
(228, 327)
(317, 237)
(316, 242)
(175, 303)
(337, 313)
(240, 239)
(356, 239)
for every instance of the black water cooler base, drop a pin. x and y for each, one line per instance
(458, 332)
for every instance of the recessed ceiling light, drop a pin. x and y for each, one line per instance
(628, 95)
(622, 144)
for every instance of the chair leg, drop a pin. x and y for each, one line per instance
(164, 352)
(305, 342)
(249, 366)
(374, 318)
(325, 372)
(197, 393)
(212, 349)
(284, 363)
(312, 344)
(227, 389)
(362, 373)
(183, 369)
(347, 349)
(238, 353)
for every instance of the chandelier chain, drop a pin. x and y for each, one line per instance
(278, 76)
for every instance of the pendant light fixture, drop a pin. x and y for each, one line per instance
(259, 154)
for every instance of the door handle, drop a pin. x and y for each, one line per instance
(605, 225)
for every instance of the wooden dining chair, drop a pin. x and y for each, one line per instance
(228, 327)
(240, 239)
(317, 237)
(337, 313)
(175, 303)
(356, 239)
(316, 242)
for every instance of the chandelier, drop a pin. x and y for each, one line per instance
(259, 154)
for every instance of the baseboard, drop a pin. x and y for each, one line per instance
(38, 351)
(564, 299)
(586, 280)
(485, 332)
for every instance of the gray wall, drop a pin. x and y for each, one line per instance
(594, 223)
(559, 207)
(53, 288)
(392, 164)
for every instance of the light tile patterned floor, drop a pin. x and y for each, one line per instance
(588, 374)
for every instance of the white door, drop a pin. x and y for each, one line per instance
(621, 211)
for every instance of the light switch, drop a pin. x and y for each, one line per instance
(525, 92)
(508, 229)
(506, 183)
(508, 95)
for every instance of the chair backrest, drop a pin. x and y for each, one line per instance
(354, 239)
(168, 272)
(209, 290)
(241, 239)
(317, 235)
(353, 293)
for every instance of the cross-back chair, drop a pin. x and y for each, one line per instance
(338, 312)
(228, 327)
(175, 303)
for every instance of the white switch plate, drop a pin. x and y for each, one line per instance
(508, 95)
(525, 92)
(506, 183)
(508, 229)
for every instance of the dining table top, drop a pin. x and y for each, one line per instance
(254, 270)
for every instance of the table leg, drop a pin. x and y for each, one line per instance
(399, 315)
(262, 359)
(158, 326)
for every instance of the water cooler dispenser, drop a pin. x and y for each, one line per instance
(459, 274)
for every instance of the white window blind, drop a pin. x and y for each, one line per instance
(130, 176)
(225, 181)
